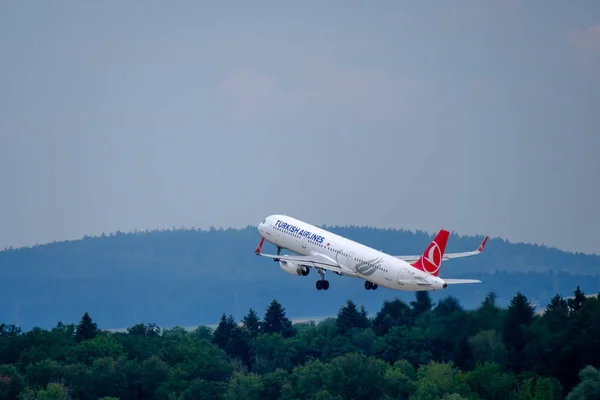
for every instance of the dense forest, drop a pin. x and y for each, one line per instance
(417, 350)
(170, 276)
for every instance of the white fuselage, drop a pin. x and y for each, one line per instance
(355, 259)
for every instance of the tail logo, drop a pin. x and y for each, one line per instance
(431, 263)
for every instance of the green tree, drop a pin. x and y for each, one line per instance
(273, 384)
(275, 320)
(436, 380)
(487, 346)
(490, 300)
(547, 388)
(398, 382)
(87, 329)
(102, 345)
(245, 387)
(149, 330)
(462, 355)
(11, 382)
(447, 306)
(223, 332)
(252, 324)
(403, 343)
(585, 333)
(108, 377)
(40, 373)
(393, 313)
(307, 380)
(357, 377)
(552, 353)
(200, 389)
(447, 328)
(490, 383)
(488, 316)
(273, 351)
(147, 377)
(53, 391)
(238, 346)
(518, 319)
(589, 387)
(422, 303)
(576, 303)
(349, 318)
(233, 339)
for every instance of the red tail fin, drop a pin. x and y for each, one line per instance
(431, 259)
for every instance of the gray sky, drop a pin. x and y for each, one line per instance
(478, 117)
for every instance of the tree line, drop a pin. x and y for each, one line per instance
(408, 350)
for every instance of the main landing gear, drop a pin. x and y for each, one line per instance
(278, 253)
(322, 284)
(370, 286)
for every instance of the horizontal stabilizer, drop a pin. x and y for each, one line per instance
(449, 256)
(459, 281)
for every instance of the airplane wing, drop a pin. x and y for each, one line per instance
(459, 281)
(316, 260)
(448, 256)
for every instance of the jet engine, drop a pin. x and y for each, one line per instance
(293, 268)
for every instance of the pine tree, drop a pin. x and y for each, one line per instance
(350, 317)
(557, 303)
(422, 304)
(577, 302)
(394, 312)
(223, 331)
(238, 345)
(447, 306)
(232, 338)
(87, 329)
(463, 355)
(252, 324)
(275, 320)
(518, 319)
(490, 300)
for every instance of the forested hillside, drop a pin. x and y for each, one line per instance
(418, 351)
(174, 277)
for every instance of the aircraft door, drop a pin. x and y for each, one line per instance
(403, 275)
(303, 242)
(350, 262)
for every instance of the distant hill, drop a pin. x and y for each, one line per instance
(189, 277)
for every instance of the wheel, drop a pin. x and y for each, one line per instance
(325, 285)
(374, 287)
(368, 285)
(319, 285)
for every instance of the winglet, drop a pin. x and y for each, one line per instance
(482, 245)
(259, 247)
(431, 259)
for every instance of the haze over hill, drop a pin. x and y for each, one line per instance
(189, 277)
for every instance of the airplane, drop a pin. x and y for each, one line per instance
(326, 251)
